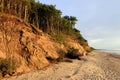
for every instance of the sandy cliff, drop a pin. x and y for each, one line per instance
(28, 46)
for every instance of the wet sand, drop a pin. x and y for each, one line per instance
(95, 66)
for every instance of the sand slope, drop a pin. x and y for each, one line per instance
(95, 66)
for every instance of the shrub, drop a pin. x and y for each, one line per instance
(60, 59)
(53, 60)
(60, 38)
(73, 53)
(6, 67)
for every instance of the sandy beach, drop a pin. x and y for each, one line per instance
(95, 66)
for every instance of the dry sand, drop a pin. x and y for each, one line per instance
(95, 66)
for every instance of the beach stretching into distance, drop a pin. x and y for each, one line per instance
(95, 66)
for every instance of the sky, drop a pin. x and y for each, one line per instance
(98, 20)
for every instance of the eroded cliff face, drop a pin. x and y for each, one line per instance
(75, 44)
(28, 46)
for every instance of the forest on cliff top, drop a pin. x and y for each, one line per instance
(44, 17)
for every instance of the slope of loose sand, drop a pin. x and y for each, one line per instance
(95, 66)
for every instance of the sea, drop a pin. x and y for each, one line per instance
(110, 51)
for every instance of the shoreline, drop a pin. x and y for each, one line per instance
(109, 51)
(116, 55)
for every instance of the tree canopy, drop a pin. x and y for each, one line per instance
(43, 16)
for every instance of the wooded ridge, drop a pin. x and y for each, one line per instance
(43, 16)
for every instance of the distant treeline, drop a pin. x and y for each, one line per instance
(43, 16)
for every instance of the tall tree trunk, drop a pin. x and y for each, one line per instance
(15, 5)
(47, 25)
(36, 18)
(20, 10)
(8, 6)
(2, 5)
(26, 12)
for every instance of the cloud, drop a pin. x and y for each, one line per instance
(93, 41)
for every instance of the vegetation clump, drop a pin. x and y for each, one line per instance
(73, 54)
(6, 67)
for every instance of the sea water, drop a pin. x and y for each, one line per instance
(110, 51)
